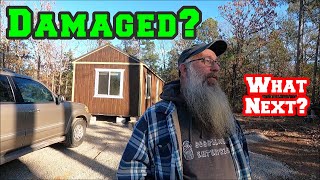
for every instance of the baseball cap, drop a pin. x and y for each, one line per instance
(218, 47)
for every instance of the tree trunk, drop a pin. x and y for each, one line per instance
(38, 69)
(52, 84)
(234, 79)
(315, 68)
(318, 96)
(259, 57)
(299, 39)
(303, 50)
(233, 83)
(60, 81)
(66, 89)
(3, 54)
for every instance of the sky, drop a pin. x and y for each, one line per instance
(208, 8)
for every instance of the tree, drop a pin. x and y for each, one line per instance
(288, 35)
(42, 50)
(247, 18)
(277, 56)
(163, 53)
(149, 55)
(315, 71)
(207, 31)
(67, 75)
(313, 10)
(300, 33)
(94, 44)
(306, 37)
(132, 47)
(4, 42)
(171, 71)
(15, 54)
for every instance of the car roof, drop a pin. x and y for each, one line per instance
(8, 72)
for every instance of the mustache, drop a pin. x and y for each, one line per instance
(211, 75)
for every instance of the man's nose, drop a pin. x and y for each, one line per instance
(215, 66)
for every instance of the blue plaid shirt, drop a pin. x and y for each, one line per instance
(153, 151)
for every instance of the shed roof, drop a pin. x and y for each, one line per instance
(124, 53)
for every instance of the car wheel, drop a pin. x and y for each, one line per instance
(76, 133)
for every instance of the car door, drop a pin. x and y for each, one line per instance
(46, 117)
(12, 117)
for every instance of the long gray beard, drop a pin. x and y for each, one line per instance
(209, 104)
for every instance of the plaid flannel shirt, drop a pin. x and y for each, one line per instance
(153, 150)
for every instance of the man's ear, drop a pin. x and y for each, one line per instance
(183, 70)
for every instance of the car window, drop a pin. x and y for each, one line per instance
(6, 94)
(32, 91)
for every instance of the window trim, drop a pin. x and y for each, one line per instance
(12, 91)
(96, 85)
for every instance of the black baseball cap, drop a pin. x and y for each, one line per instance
(218, 47)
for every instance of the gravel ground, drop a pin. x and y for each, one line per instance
(264, 167)
(98, 158)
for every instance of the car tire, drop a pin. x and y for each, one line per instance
(76, 133)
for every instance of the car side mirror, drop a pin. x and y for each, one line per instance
(60, 99)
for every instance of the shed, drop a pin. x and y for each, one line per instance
(112, 83)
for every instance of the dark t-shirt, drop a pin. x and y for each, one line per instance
(204, 156)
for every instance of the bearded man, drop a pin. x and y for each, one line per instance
(191, 133)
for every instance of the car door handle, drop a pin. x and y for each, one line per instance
(36, 110)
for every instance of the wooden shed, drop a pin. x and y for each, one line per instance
(113, 83)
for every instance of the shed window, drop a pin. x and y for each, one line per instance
(109, 83)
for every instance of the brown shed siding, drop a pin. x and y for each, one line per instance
(154, 94)
(85, 84)
(143, 90)
(161, 84)
(153, 89)
(133, 103)
(153, 99)
(107, 54)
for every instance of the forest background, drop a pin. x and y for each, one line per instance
(261, 41)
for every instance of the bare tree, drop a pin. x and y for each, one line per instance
(315, 69)
(246, 17)
(132, 47)
(300, 33)
(163, 52)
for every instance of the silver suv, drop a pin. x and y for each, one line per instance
(32, 117)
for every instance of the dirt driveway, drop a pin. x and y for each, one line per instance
(97, 158)
(291, 141)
